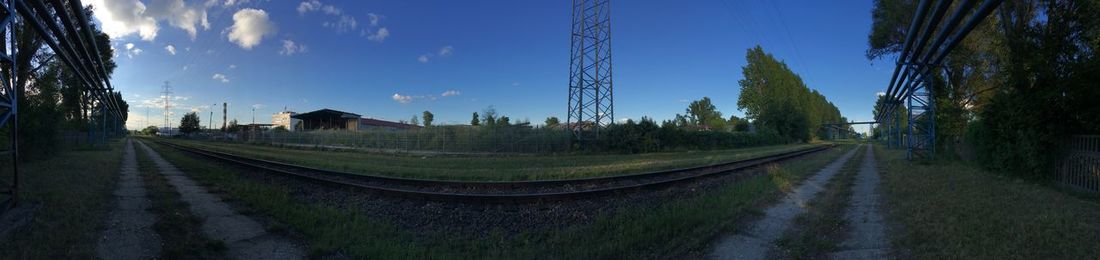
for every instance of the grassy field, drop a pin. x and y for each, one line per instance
(822, 227)
(634, 232)
(953, 210)
(75, 191)
(491, 167)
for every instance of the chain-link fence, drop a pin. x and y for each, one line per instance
(430, 140)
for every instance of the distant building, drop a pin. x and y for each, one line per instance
(375, 124)
(286, 120)
(167, 131)
(329, 119)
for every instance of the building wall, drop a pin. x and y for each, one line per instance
(283, 119)
(352, 124)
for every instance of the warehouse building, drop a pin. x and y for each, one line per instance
(329, 119)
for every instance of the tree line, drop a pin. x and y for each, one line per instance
(1017, 87)
(776, 99)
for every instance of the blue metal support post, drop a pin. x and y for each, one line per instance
(922, 119)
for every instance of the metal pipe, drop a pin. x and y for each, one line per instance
(85, 55)
(65, 50)
(82, 19)
(922, 8)
(956, 18)
(941, 9)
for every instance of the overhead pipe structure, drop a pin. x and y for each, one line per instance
(917, 68)
(74, 44)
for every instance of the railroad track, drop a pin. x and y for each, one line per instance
(498, 191)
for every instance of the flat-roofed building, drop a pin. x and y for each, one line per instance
(286, 120)
(328, 119)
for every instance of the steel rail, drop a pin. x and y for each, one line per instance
(356, 180)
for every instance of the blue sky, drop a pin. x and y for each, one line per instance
(394, 59)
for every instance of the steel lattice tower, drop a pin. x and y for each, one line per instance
(591, 102)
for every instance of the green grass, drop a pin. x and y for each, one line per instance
(668, 229)
(180, 231)
(678, 226)
(533, 167)
(75, 191)
(954, 210)
(823, 226)
(325, 228)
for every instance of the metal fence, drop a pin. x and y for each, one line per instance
(1081, 167)
(433, 140)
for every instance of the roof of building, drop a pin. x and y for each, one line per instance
(384, 123)
(325, 113)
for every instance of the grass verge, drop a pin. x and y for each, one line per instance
(522, 167)
(954, 210)
(664, 230)
(676, 227)
(75, 189)
(180, 231)
(325, 228)
(823, 226)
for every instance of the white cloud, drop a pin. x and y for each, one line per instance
(250, 26)
(232, 66)
(446, 51)
(342, 23)
(132, 51)
(373, 18)
(229, 3)
(171, 49)
(120, 18)
(422, 58)
(308, 6)
(220, 77)
(380, 35)
(449, 93)
(402, 99)
(290, 48)
(258, 106)
(158, 102)
(880, 93)
(200, 108)
(178, 14)
(125, 17)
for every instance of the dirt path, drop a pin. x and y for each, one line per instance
(244, 237)
(867, 238)
(129, 230)
(755, 241)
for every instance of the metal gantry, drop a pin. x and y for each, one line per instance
(591, 99)
(64, 28)
(919, 66)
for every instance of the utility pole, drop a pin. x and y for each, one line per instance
(253, 115)
(211, 123)
(224, 108)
